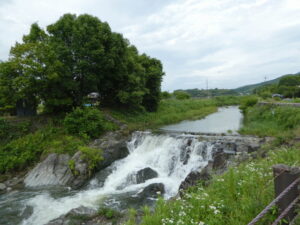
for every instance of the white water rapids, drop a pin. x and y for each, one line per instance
(172, 157)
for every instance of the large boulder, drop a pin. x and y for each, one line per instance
(195, 176)
(145, 174)
(75, 216)
(87, 216)
(153, 190)
(114, 147)
(54, 170)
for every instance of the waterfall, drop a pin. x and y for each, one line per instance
(172, 157)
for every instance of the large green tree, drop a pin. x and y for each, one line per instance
(75, 56)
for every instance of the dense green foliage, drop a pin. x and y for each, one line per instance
(271, 120)
(181, 95)
(202, 93)
(165, 95)
(248, 101)
(288, 86)
(235, 197)
(88, 122)
(22, 152)
(14, 129)
(73, 57)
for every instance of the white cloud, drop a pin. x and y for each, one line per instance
(229, 42)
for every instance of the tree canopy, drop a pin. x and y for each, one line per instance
(73, 57)
(288, 86)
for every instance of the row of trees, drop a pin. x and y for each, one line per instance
(73, 57)
(288, 86)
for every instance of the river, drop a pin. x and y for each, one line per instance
(171, 156)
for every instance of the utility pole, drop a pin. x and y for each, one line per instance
(207, 88)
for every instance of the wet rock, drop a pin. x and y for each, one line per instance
(145, 174)
(8, 189)
(2, 187)
(27, 212)
(152, 190)
(195, 176)
(75, 216)
(114, 147)
(219, 160)
(54, 170)
(80, 173)
(87, 216)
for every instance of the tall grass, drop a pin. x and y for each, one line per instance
(233, 198)
(173, 111)
(271, 120)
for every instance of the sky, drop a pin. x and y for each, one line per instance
(226, 43)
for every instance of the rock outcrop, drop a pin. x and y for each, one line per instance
(152, 190)
(87, 216)
(195, 176)
(145, 174)
(54, 170)
(114, 147)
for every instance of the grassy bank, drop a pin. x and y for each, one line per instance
(233, 198)
(238, 195)
(172, 111)
(271, 121)
(65, 135)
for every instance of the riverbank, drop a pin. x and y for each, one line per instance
(39, 136)
(172, 111)
(239, 194)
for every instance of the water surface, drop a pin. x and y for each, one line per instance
(225, 120)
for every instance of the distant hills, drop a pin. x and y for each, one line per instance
(244, 90)
(248, 89)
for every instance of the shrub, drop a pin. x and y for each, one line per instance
(4, 127)
(181, 95)
(247, 102)
(92, 155)
(165, 95)
(109, 213)
(85, 122)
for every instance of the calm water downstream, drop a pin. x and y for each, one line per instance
(226, 119)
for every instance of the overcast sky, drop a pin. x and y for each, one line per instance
(230, 43)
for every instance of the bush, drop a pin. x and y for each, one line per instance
(109, 213)
(248, 101)
(92, 155)
(165, 95)
(4, 127)
(181, 95)
(85, 122)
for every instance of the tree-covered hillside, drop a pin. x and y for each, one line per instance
(201, 93)
(248, 89)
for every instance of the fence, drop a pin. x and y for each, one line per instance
(286, 181)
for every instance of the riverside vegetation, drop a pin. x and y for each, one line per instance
(239, 194)
(41, 135)
(52, 70)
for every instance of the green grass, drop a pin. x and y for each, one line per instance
(271, 121)
(23, 152)
(172, 111)
(233, 198)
